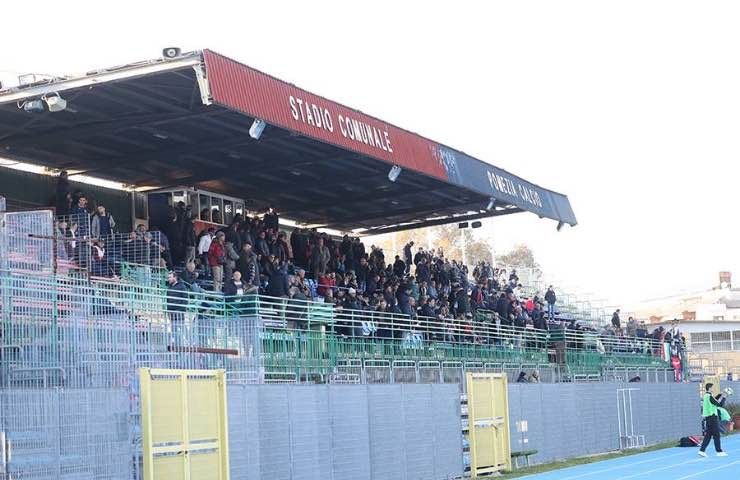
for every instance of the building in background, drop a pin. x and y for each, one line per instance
(710, 320)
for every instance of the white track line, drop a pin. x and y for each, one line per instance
(707, 471)
(668, 467)
(662, 457)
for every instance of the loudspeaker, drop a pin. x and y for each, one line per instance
(171, 52)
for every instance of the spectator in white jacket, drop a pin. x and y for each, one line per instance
(204, 244)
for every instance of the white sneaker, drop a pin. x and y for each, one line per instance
(721, 454)
(702, 454)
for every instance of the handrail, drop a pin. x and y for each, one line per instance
(154, 304)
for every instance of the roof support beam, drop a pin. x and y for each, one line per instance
(442, 221)
(106, 126)
(419, 209)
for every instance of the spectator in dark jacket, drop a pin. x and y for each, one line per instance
(62, 198)
(278, 249)
(245, 234)
(363, 274)
(373, 284)
(407, 256)
(616, 322)
(427, 309)
(462, 301)
(190, 277)
(282, 240)
(418, 257)
(278, 285)
(190, 240)
(404, 300)
(422, 271)
(399, 267)
(351, 302)
(234, 287)
(177, 300)
(358, 251)
(172, 229)
(233, 237)
(81, 217)
(271, 220)
(249, 268)
(550, 298)
(261, 248)
(102, 224)
(503, 307)
(299, 243)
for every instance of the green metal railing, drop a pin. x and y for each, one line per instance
(92, 332)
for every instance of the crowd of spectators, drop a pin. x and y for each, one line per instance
(91, 239)
(252, 255)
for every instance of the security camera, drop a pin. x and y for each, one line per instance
(34, 106)
(55, 102)
(171, 52)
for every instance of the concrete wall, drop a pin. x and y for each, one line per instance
(569, 420)
(405, 432)
(412, 431)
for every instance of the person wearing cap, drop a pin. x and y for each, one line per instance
(351, 302)
(710, 412)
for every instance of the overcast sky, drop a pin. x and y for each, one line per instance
(631, 108)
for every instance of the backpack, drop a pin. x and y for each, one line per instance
(692, 441)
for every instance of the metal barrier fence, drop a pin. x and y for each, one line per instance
(25, 241)
(135, 256)
(65, 434)
(308, 336)
(68, 331)
(62, 331)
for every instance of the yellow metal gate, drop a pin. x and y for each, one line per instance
(184, 424)
(488, 423)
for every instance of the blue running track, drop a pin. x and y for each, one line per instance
(669, 464)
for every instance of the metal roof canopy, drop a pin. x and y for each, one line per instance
(177, 122)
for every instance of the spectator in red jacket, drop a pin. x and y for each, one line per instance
(327, 282)
(217, 260)
(529, 305)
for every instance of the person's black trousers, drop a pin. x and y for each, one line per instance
(712, 431)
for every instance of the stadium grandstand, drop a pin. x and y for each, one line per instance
(238, 244)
